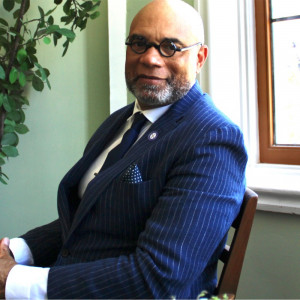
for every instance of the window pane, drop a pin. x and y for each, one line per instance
(285, 8)
(286, 67)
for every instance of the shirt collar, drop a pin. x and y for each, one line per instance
(153, 114)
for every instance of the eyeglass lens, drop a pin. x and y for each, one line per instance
(166, 48)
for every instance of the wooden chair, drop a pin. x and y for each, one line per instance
(233, 255)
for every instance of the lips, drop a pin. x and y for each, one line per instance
(149, 79)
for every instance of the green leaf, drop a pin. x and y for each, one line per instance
(10, 139)
(95, 15)
(82, 24)
(44, 74)
(8, 4)
(48, 13)
(2, 31)
(3, 22)
(47, 40)
(42, 71)
(1, 99)
(87, 5)
(21, 128)
(10, 122)
(2, 73)
(52, 28)
(13, 75)
(27, 5)
(32, 58)
(24, 100)
(67, 19)
(42, 14)
(16, 13)
(6, 104)
(4, 43)
(11, 33)
(22, 115)
(31, 49)
(22, 79)
(37, 83)
(67, 6)
(66, 46)
(96, 5)
(1, 179)
(9, 129)
(11, 101)
(15, 116)
(41, 32)
(51, 20)
(24, 67)
(47, 72)
(2, 161)
(10, 151)
(21, 55)
(67, 33)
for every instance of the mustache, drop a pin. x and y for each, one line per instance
(135, 79)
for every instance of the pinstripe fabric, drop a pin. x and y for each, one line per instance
(160, 237)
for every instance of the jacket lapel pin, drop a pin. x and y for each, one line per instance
(152, 135)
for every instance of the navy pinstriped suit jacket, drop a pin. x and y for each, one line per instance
(154, 239)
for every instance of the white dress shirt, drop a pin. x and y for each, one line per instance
(27, 282)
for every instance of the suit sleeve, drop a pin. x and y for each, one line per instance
(44, 242)
(184, 234)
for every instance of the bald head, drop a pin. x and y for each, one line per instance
(172, 15)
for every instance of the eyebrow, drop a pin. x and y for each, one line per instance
(138, 36)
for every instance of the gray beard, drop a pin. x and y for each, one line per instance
(153, 95)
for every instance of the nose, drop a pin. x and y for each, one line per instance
(151, 58)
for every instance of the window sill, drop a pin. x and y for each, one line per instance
(278, 187)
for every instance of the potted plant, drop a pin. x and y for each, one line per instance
(19, 64)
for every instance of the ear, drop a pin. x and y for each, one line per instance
(202, 56)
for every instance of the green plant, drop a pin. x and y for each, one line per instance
(206, 296)
(19, 64)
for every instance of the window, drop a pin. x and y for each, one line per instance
(278, 79)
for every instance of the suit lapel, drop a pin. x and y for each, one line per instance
(71, 180)
(101, 138)
(168, 122)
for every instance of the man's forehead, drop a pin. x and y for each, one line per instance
(168, 18)
(141, 37)
(157, 31)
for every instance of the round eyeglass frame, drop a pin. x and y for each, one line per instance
(158, 47)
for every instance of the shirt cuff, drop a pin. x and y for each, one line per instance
(24, 282)
(21, 251)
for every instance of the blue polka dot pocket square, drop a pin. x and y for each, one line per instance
(132, 175)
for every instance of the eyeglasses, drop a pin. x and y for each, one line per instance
(166, 48)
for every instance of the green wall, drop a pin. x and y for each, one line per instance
(271, 268)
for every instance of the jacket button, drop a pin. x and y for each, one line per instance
(65, 252)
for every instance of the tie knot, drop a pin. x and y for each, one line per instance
(138, 117)
(138, 121)
(129, 137)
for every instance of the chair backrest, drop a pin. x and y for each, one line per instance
(233, 255)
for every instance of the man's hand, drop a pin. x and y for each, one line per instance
(6, 264)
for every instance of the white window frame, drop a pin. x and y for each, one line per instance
(280, 184)
(117, 53)
(277, 185)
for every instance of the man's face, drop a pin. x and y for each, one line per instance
(153, 79)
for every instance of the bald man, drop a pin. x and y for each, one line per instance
(151, 222)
